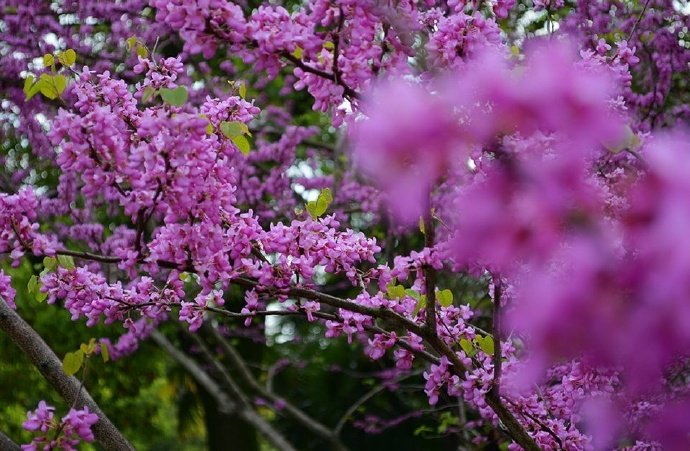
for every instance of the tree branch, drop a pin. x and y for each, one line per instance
(246, 375)
(514, 427)
(45, 360)
(496, 331)
(430, 276)
(7, 444)
(225, 404)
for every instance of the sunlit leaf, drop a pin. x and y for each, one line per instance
(72, 362)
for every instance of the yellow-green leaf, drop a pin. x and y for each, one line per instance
(66, 261)
(421, 303)
(131, 42)
(485, 343)
(67, 58)
(298, 53)
(50, 263)
(41, 296)
(445, 298)
(329, 45)
(28, 83)
(396, 291)
(105, 353)
(413, 294)
(32, 285)
(142, 51)
(33, 89)
(467, 346)
(318, 207)
(34, 289)
(52, 86)
(88, 348)
(72, 362)
(233, 129)
(242, 90)
(176, 97)
(147, 94)
(48, 60)
(242, 144)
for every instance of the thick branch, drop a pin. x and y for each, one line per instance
(7, 444)
(45, 360)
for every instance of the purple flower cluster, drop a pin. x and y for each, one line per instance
(66, 434)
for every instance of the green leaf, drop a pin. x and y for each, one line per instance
(176, 97)
(184, 276)
(50, 263)
(66, 261)
(48, 60)
(467, 346)
(445, 298)
(105, 353)
(147, 94)
(422, 429)
(421, 226)
(447, 420)
(242, 90)
(233, 129)
(242, 143)
(485, 343)
(67, 58)
(32, 286)
(72, 362)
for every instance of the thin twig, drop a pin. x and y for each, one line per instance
(637, 22)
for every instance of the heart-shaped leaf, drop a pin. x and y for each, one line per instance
(176, 97)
